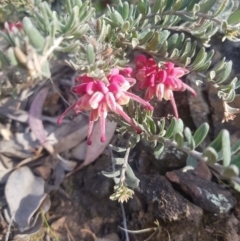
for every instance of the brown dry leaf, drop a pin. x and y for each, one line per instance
(35, 121)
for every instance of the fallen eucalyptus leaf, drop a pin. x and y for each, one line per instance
(24, 193)
(66, 164)
(58, 177)
(35, 121)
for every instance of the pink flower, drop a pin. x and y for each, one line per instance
(160, 81)
(17, 25)
(99, 98)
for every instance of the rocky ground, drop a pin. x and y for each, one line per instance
(192, 206)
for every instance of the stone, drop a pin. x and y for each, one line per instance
(164, 202)
(206, 194)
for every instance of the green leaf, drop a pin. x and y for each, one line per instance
(90, 54)
(159, 149)
(35, 38)
(180, 41)
(134, 42)
(163, 36)
(141, 7)
(169, 4)
(4, 62)
(234, 18)
(8, 39)
(217, 142)
(224, 74)
(117, 18)
(172, 42)
(221, 8)
(236, 160)
(235, 147)
(211, 155)
(152, 125)
(190, 140)
(177, 5)
(179, 138)
(186, 48)
(171, 128)
(111, 174)
(153, 43)
(146, 37)
(156, 6)
(161, 126)
(12, 57)
(118, 161)
(200, 56)
(189, 4)
(200, 134)
(226, 148)
(207, 5)
(230, 171)
(117, 149)
(125, 12)
(178, 126)
(131, 180)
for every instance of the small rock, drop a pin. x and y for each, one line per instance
(164, 202)
(204, 193)
(202, 170)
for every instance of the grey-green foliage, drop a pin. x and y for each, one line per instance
(128, 177)
(45, 32)
(219, 153)
(149, 29)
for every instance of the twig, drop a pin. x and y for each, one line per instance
(56, 43)
(69, 233)
(124, 221)
(91, 233)
(124, 166)
(121, 204)
(9, 229)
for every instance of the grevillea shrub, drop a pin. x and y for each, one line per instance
(96, 47)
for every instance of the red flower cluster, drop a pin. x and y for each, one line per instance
(160, 81)
(98, 97)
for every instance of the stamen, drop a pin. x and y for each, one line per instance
(174, 105)
(138, 99)
(89, 133)
(102, 124)
(120, 111)
(59, 121)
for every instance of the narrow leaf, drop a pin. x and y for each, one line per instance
(190, 140)
(211, 155)
(226, 148)
(200, 134)
(111, 174)
(170, 130)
